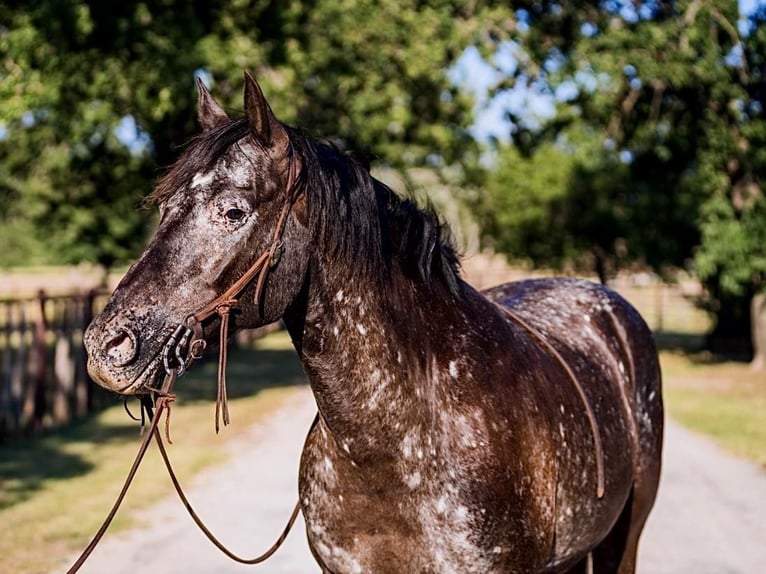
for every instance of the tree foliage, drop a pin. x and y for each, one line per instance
(78, 75)
(72, 73)
(667, 98)
(656, 155)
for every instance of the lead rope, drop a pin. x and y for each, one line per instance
(597, 446)
(163, 403)
(222, 398)
(206, 531)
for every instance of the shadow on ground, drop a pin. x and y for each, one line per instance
(695, 346)
(25, 468)
(27, 464)
(679, 342)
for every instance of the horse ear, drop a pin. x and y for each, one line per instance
(210, 114)
(264, 125)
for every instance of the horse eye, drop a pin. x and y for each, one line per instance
(235, 214)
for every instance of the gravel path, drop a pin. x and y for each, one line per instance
(710, 517)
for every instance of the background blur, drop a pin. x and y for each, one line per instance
(617, 140)
(589, 137)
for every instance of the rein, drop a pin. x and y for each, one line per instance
(164, 399)
(177, 355)
(597, 446)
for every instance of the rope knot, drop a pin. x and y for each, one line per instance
(164, 402)
(226, 307)
(276, 253)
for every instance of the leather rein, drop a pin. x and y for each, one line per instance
(589, 412)
(178, 354)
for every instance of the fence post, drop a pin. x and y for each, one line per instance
(63, 363)
(81, 380)
(6, 422)
(88, 311)
(39, 367)
(19, 369)
(659, 296)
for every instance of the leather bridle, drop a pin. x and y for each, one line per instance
(222, 306)
(185, 346)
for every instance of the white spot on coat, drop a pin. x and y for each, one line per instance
(202, 179)
(413, 480)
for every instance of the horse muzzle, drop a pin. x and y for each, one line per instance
(118, 358)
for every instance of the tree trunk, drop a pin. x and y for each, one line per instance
(758, 331)
(732, 332)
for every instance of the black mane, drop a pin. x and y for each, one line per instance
(356, 218)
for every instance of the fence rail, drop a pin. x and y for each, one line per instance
(44, 383)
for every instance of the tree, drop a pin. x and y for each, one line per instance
(77, 75)
(72, 74)
(731, 258)
(522, 206)
(672, 93)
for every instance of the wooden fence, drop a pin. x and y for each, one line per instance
(44, 383)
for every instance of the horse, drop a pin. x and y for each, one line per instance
(514, 430)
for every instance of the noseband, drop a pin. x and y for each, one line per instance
(178, 354)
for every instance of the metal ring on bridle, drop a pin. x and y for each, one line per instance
(182, 361)
(197, 349)
(175, 343)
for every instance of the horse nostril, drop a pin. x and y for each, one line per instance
(122, 347)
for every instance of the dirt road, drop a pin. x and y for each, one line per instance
(710, 517)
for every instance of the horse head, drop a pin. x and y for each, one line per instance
(233, 195)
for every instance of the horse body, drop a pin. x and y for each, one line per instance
(611, 352)
(465, 450)
(459, 431)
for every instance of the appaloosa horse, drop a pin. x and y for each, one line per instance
(513, 430)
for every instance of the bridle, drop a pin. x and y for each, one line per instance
(178, 354)
(185, 346)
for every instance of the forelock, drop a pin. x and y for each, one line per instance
(201, 155)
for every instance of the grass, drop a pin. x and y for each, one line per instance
(723, 399)
(56, 491)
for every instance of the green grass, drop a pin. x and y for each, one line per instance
(722, 399)
(56, 491)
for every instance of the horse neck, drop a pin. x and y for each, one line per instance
(371, 354)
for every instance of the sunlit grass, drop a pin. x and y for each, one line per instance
(722, 399)
(55, 491)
